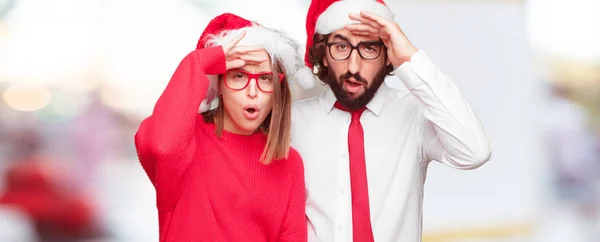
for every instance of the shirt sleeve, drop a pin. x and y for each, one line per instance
(453, 134)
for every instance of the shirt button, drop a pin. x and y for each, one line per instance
(344, 155)
(342, 191)
(340, 228)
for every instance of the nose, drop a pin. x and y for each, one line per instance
(252, 89)
(354, 62)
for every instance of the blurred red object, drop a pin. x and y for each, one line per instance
(40, 191)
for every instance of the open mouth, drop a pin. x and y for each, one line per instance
(353, 86)
(251, 112)
(353, 83)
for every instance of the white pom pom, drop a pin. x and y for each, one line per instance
(211, 93)
(306, 78)
(204, 106)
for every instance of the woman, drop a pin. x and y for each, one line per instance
(229, 173)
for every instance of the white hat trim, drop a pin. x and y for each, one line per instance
(278, 46)
(336, 16)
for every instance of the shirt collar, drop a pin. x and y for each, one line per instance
(382, 96)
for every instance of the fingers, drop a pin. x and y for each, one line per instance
(242, 50)
(388, 29)
(234, 64)
(362, 28)
(246, 49)
(247, 56)
(376, 19)
(363, 33)
(238, 56)
(365, 21)
(227, 47)
(251, 59)
(231, 48)
(247, 59)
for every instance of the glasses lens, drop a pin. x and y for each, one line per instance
(265, 82)
(340, 51)
(369, 50)
(236, 80)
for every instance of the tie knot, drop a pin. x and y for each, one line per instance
(355, 113)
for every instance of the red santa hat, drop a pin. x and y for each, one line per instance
(223, 28)
(327, 16)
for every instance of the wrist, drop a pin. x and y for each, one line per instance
(410, 52)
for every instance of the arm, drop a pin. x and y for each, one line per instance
(294, 225)
(453, 135)
(165, 141)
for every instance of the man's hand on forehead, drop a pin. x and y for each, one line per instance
(399, 48)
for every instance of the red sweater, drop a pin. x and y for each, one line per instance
(210, 188)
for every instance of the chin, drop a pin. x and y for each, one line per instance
(353, 96)
(250, 126)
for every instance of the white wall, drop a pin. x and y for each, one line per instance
(484, 48)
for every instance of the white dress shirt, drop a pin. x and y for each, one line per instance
(404, 130)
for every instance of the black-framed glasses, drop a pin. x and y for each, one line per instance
(368, 50)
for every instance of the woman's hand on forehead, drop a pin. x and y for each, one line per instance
(238, 56)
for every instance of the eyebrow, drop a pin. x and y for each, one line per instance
(344, 38)
(244, 70)
(339, 36)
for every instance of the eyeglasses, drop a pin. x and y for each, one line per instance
(239, 79)
(369, 50)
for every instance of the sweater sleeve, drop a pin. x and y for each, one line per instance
(165, 142)
(294, 224)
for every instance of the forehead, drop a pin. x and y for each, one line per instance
(344, 34)
(260, 67)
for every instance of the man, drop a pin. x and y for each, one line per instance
(366, 147)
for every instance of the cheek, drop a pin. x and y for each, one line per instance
(370, 71)
(230, 99)
(267, 102)
(337, 69)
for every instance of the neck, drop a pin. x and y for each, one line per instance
(230, 126)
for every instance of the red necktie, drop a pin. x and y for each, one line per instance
(361, 215)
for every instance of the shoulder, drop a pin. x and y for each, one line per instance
(307, 103)
(308, 109)
(294, 161)
(398, 97)
(204, 128)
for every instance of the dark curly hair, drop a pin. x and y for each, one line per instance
(318, 50)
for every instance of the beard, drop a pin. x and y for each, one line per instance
(345, 98)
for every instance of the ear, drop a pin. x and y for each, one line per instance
(325, 63)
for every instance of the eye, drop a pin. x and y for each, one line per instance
(371, 48)
(238, 76)
(341, 46)
(266, 78)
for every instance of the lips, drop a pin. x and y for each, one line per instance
(352, 86)
(251, 112)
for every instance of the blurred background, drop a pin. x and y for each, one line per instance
(78, 76)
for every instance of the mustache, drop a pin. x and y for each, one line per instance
(356, 77)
